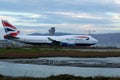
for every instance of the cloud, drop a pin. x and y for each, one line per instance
(77, 15)
(114, 17)
(117, 1)
(66, 15)
(25, 19)
(34, 16)
(8, 18)
(25, 14)
(28, 31)
(20, 18)
(10, 1)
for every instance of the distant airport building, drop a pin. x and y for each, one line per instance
(8, 43)
(5, 43)
(52, 31)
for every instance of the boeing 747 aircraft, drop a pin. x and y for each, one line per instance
(65, 40)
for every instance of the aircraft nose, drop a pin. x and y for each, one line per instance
(95, 40)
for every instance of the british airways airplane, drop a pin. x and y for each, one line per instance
(65, 40)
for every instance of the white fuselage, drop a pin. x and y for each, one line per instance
(63, 40)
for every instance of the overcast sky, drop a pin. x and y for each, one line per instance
(69, 16)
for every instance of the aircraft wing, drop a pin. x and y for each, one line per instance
(54, 42)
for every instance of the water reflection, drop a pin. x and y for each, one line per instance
(15, 69)
(113, 62)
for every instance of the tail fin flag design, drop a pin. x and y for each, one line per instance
(11, 31)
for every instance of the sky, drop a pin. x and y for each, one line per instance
(68, 16)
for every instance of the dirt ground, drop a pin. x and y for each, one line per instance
(54, 53)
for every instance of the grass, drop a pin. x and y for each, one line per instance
(46, 52)
(60, 77)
